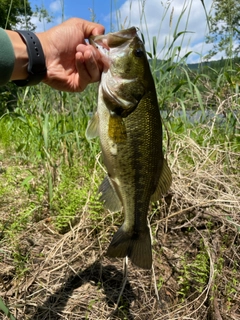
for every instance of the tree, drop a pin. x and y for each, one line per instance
(224, 31)
(43, 15)
(15, 12)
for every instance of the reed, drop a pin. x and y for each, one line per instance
(50, 173)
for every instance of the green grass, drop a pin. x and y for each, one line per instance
(46, 133)
(50, 173)
(5, 309)
(194, 274)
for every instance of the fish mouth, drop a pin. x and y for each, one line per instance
(114, 39)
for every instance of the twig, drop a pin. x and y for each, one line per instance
(153, 271)
(204, 203)
(125, 278)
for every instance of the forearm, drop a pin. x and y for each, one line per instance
(59, 57)
(14, 57)
(21, 56)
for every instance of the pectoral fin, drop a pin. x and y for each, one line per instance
(164, 183)
(92, 128)
(109, 196)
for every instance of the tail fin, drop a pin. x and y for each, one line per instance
(137, 246)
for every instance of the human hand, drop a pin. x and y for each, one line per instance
(71, 63)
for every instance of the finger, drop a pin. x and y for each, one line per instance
(83, 75)
(102, 60)
(91, 28)
(98, 30)
(81, 48)
(92, 65)
(93, 60)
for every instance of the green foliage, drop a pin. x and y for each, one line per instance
(42, 14)
(47, 130)
(75, 194)
(194, 274)
(224, 31)
(8, 98)
(50, 134)
(15, 12)
(43, 133)
(5, 309)
(18, 218)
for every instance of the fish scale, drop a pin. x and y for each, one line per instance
(129, 125)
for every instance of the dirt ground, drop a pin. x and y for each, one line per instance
(196, 245)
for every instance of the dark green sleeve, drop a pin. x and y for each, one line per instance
(7, 57)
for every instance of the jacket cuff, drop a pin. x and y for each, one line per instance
(7, 57)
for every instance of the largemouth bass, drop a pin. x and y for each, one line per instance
(129, 125)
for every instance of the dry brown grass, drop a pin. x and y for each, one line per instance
(69, 277)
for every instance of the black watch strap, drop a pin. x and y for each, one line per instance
(36, 66)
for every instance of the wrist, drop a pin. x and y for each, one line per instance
(44, 43)
(21, 56)
(36, 67)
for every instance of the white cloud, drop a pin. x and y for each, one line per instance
(42, 25)
(160, 19)
(39, 24)
(56, 6)
(55, 10)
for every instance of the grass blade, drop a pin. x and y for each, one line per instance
(5, 309)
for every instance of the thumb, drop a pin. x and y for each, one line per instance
(91, 28)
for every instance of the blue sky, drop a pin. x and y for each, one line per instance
(103, 10)
(155, 18)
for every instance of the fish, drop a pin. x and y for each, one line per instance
(129, 127)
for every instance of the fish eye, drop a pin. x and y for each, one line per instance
(138, 53)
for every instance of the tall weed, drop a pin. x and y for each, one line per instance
(44, 131)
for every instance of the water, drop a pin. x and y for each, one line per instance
(194, 117)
